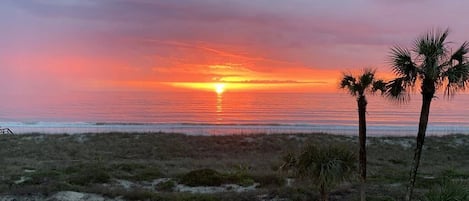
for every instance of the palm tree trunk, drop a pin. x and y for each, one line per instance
(362, 141)
(424, 113)
(324, 193)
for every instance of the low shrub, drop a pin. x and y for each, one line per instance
(87, 174)
(147, 174)
(209, 177)
(136, 172)
(448, 191)
(203, 177)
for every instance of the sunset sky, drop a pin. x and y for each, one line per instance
(99, 45)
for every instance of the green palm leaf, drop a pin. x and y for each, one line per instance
(402, 64)
(460, 54)
(326, 166)
(397, 90)
(457, 78)
(379, 85)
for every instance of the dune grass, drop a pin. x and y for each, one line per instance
(44, 164)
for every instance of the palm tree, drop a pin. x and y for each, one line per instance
(448, 191)
(432, 65)
(357, 87)
(326, 166)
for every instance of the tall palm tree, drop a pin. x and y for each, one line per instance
(358, 87)
(326, 166)
(432, 65)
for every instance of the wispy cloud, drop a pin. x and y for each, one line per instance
(185, 40)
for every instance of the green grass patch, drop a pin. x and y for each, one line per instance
(85, 174)
(448, 191)
(210, 177)
(63, 162)
(136, 172)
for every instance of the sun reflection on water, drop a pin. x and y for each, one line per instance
(219, 107)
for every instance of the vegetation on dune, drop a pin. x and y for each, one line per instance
(49, 163)
(431, 64)
(210, 177)
(448, 191)
(203, 177)
(327, 167)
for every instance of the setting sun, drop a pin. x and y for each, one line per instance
(219, 88)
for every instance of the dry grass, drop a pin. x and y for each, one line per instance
(84, 162)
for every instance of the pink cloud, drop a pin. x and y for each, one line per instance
(128, 40)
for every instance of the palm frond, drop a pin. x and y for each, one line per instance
(379, 85)
(432, 44)
(367, 78)
(457, 77)
(460, 54)
(396, 90)
(402, 64)
(448, 190)
(432, 51)
(349, 83)
(328, 166)
(289, 161)
(365, 82)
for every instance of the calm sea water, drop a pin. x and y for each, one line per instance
(229, 113)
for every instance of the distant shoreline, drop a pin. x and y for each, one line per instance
(194, 128)
(404, 135)
(200, 129)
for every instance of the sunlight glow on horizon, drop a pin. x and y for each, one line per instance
(219, 87)
(222, 87)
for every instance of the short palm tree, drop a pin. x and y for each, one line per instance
(325, 166)
(448, 191)
(432, 65)
(358, 87)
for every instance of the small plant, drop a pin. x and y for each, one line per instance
(203, 177)
(326, 166)
(448, 191)
(240, 176)
(455, 174)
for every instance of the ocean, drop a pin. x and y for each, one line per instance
(208, 113)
